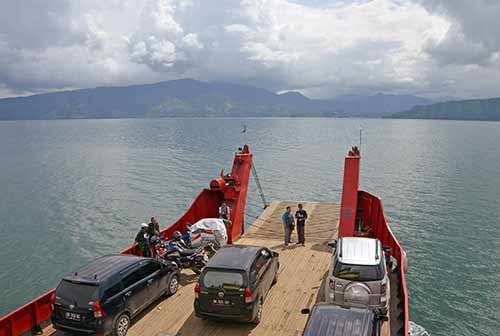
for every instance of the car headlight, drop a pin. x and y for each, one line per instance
(358, 293)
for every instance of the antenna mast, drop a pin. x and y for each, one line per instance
(360, 137)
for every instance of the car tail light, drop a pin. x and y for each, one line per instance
(98, 312)
(331, 283)
(197, 290)
(52, 300)
(248, 295)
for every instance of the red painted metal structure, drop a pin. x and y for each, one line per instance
(371, 212)
(369, 217)
(348, 204)
(231, 188)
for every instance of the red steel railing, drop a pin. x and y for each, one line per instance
(232, 188)
(370, 210)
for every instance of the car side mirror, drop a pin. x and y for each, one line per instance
(332, 244)
(306, 311)
(275, 254)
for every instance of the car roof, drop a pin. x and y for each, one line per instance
(101, 269)
(359, 251)
(238, 257)
(328, 319)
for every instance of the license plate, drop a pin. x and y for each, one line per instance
(72, 316)
(221, 302)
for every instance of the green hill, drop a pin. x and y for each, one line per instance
(177, 98)
(476, 109)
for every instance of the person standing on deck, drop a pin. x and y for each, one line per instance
(288, 224)
(141, 242)
(154, 227)
(301, 216)
(153, 234)
(224, 211)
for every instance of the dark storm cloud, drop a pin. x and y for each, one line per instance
(473, 37)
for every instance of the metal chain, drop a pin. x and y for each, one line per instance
(259, 187)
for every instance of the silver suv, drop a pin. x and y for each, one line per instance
(358, 274)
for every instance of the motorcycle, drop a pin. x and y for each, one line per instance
(184, 257)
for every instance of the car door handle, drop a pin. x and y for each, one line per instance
(127, 294)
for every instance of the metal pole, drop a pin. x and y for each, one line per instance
(360, 137)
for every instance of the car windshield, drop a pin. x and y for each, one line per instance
(76, 293)
(358, 272)
(222, 279)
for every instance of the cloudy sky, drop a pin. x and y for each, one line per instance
(323, 48)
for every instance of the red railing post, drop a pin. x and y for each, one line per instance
(349, 202)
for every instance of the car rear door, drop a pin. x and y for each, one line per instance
(263, 268)
(136, 294)
(222, 291)
(152, 272)
(112, 298)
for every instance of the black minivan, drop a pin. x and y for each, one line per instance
(332, 320)
(104, 295)
(235, 283)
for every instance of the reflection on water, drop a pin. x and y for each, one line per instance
(73, 190)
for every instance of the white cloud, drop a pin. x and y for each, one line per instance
(398, 46)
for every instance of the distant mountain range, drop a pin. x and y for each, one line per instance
(379, 105)
(192, 98)
(177, 98)
(474, 109)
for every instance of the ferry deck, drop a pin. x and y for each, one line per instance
(301, 277)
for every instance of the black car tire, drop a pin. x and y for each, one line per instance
(172, 285)
(121, 325)
(258, 316)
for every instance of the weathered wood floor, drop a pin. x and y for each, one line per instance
(301, 275)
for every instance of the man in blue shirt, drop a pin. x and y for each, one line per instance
(288, 224)
(301, 216)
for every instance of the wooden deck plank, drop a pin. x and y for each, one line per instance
(301, 275)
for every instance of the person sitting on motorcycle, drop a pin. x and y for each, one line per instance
(177, 239)
(187, 235)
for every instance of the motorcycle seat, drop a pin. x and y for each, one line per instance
(189, 251)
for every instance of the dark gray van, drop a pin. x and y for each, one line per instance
(331, 320)
(235, 283)
(103, 296)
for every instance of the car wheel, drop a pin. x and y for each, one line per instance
(121, 326)
(275, 279)
(258, 316)
(172, 285)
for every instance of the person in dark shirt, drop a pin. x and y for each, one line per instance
(153, 227)
(142, 241)
(301, 217)
(153, 234)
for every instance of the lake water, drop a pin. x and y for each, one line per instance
(74, 190)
